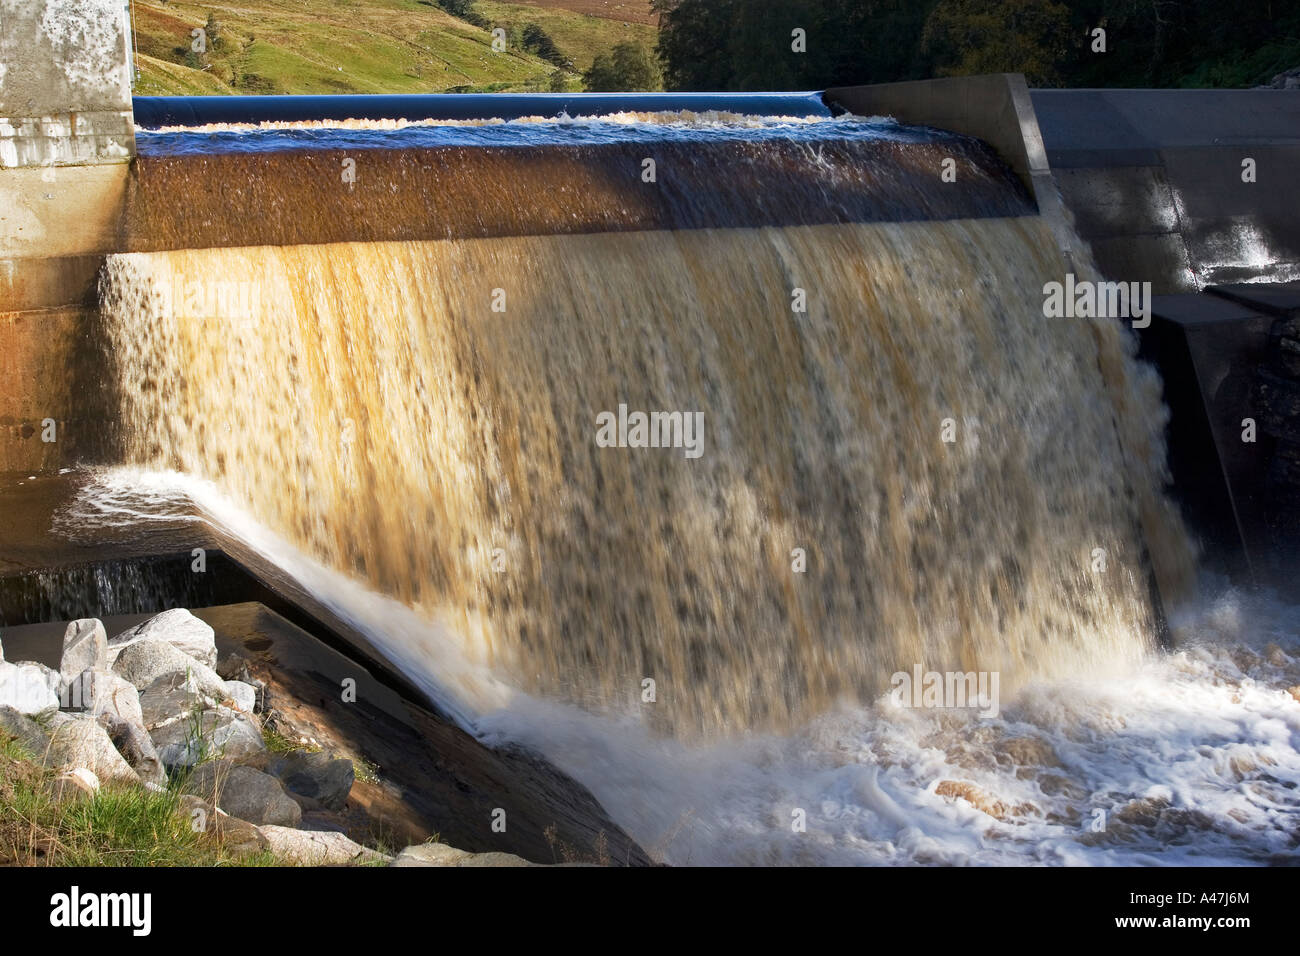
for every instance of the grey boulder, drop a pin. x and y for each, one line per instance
(177, 627)
(316, 776)
(206, 732)
(439, 854)
(102, 692)
(243, 696)
(147, 661)
(78, 741)
(244, 792)
(239, 837)
(136, 746)
(318, 848)
(26, 731)
(85, 648)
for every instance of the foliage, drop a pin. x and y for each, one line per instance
(740, 45)
(628, 68)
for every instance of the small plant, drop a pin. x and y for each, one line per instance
(276, 742)
(365, 771)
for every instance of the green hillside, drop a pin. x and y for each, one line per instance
(579, 36)
(359, 46)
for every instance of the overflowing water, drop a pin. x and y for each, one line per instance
(899, 465)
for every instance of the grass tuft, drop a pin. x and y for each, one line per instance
(121, 825)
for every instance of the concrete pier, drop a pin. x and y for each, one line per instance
(66, 139)
(1180, 188)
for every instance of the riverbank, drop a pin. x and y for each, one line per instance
(239, 740)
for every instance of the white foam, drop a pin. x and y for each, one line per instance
(1193, 756)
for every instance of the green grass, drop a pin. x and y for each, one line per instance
(119, 826)
(278, 743)
(579, 36)
(337, 46)
(365, 770)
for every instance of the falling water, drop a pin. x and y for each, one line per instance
(901, 462)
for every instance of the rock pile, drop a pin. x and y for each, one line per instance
(149, 708)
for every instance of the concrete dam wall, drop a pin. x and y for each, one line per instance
(66, 139)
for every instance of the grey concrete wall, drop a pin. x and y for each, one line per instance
(996, 108)
(65, 83)
(1150, 179)
(66, 137)
(1153, 179)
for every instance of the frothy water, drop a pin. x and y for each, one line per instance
(1193, 756)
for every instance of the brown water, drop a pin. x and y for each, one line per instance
(365, 400)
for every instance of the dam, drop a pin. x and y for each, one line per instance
(361, 363)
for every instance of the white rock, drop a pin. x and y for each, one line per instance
(85, 647)
(74, 783)
(26, 688)
(177, 627)
(243, 695)
(317, 848)
(439, 854)
(78, 741)
(103, 692)
(146, 661)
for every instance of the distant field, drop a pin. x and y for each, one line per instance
(347, 46)
(633, 11)
(579, 35)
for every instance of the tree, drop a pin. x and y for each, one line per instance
(695, 44)
(745, 45)
(627, 69)
(212, 29)
(1032, 37)
(538, 41)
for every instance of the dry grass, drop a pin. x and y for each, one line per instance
(629, 11)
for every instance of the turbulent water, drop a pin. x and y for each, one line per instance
(376, 411)
(1190, 757)
(899, 463)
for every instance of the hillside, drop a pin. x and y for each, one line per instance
(369, 46)
(630, 11)
(578, 33)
